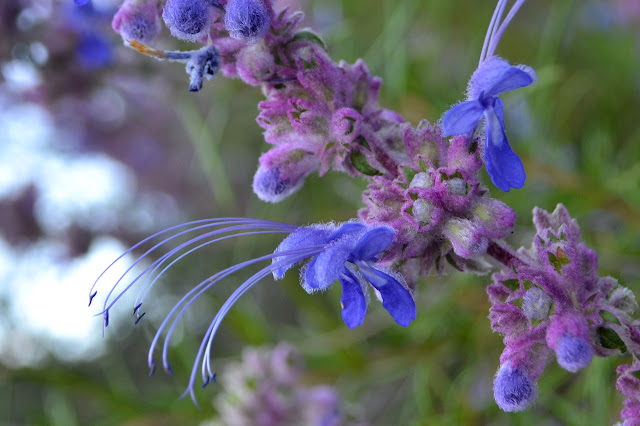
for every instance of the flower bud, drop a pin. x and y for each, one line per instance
(137, 20)
(255, 64)
(573, 353)
(466, 238)
(513, 389)
(282, 172)
(568, 336)
(622, 298)
(187, 19)
(247, 20)
(536, 304)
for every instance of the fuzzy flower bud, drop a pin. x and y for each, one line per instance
(255, 64)
(269, 185)
(466, 238)
(281, 173)
(247, 20)
(187, 19)
(536, 304)
(568, 336)
(138, 20)
(513, 389)
(574, 353)
(622, 298)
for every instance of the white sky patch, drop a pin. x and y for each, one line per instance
(48, 298)
(89, 189)
(47, 293)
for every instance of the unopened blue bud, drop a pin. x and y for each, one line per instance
(513, 389)
(187, 19)
(247, 20)
(573, 353)
(269, 185)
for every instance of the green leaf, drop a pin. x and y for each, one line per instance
(558, 261)
(306, 35)
(362, 165)
(409, 173)
(512, 284)
(610, 339)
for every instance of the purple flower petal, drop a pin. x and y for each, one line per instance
(373, 243)
(353, 301)
(511, 79)
(303, 237)
(462, 118)
(351, 228)
(495, 76)
(395, 298)
(325, 268)
(503, 165)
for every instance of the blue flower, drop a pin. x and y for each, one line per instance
(351, 245)
(493, 77)
(334, 252)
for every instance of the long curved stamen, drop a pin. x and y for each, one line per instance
(495, 39)
(158, 263)
(198, 290)
(217, 222)
(206, 341)
(493, 25)
(138, 244)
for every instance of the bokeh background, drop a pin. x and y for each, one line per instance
(100, 147)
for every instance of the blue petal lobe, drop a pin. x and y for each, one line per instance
(395, 298)
(302, 237)
(81, 2)
(503, 165)
(326, 267)
(373, 243)
(513, 78)
(353, 301)
(349, 228)
(462, 118)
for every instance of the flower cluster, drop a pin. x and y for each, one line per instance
(265, 389)
(425, 205)
(550, 302)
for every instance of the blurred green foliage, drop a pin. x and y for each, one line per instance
(578, 133)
